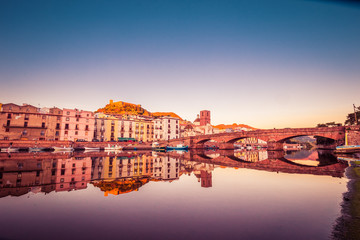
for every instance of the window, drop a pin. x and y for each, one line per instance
(68, 113)
(61, 180)
(58, 118)
(25, 124)
(24, 132)
(6, 130)
(67, 119)
(26, 116)
(76, 132)
(66, 126)
(8, 123)
(43, 125)
(58, 126)
(43, 117)
(62, 171)
(66, 132)
(9, 115)
(76, 127)
(42, 133)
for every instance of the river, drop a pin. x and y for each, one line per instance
(177, 195)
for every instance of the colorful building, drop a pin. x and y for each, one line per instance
(166, 128)
(77, 124)
(27, 122)
(72, 173)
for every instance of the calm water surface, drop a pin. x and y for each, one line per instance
(201, 195)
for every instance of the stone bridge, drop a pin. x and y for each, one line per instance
(274, 137)
(274, 163)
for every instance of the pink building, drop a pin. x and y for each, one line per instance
(77, 124)
(73, 174)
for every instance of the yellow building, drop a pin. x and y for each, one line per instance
(144, 130)
(113, 128)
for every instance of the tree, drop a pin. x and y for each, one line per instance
(350, 119)
(329, 124)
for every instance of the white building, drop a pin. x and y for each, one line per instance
(166, 128)
(166, 168)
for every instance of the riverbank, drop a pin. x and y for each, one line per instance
(348, 224)
(25, 145)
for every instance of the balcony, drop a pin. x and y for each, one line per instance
(22, 126)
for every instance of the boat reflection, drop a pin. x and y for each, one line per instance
(124, 172)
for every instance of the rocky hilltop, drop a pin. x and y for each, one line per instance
(125, 108)
(233, 126)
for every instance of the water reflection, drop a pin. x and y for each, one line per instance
(125, 172)
(191, 195)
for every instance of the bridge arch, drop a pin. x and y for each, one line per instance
(307, 135)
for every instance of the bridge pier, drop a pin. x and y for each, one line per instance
(226, 146)
(275, 146)
(272, 155)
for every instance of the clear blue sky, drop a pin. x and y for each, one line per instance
(258, 62)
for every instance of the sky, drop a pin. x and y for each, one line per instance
(268, 64)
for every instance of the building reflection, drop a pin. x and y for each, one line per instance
(115, 174)
(22, 175)
(251, 156)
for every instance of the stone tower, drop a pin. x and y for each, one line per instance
(205, 117)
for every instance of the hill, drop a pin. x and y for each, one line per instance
(233, 126)
(123, 108)
(171, 114)
(132, 109)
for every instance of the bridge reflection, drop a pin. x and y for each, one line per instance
(30, 173)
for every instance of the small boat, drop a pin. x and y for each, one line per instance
(63, 149)
(35, 149)
(348, 149)
(156, 147)
(113, 148)
(178, 147)
(9, 149)
(92, 148)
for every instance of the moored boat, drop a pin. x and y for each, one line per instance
(178, 147)
(113, 148)
(91, 148)
(156, 147)
(9, 149)
(36, 149)
(348, 149)
(63, 149)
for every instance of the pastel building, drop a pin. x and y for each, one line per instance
(77, 124)
(73, 174)
(114, 128)
(26, 122)
(166, 128)
(166, 168)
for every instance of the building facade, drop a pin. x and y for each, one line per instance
(27, 122)
(166, 128)
(205, 117)
(77, 124)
